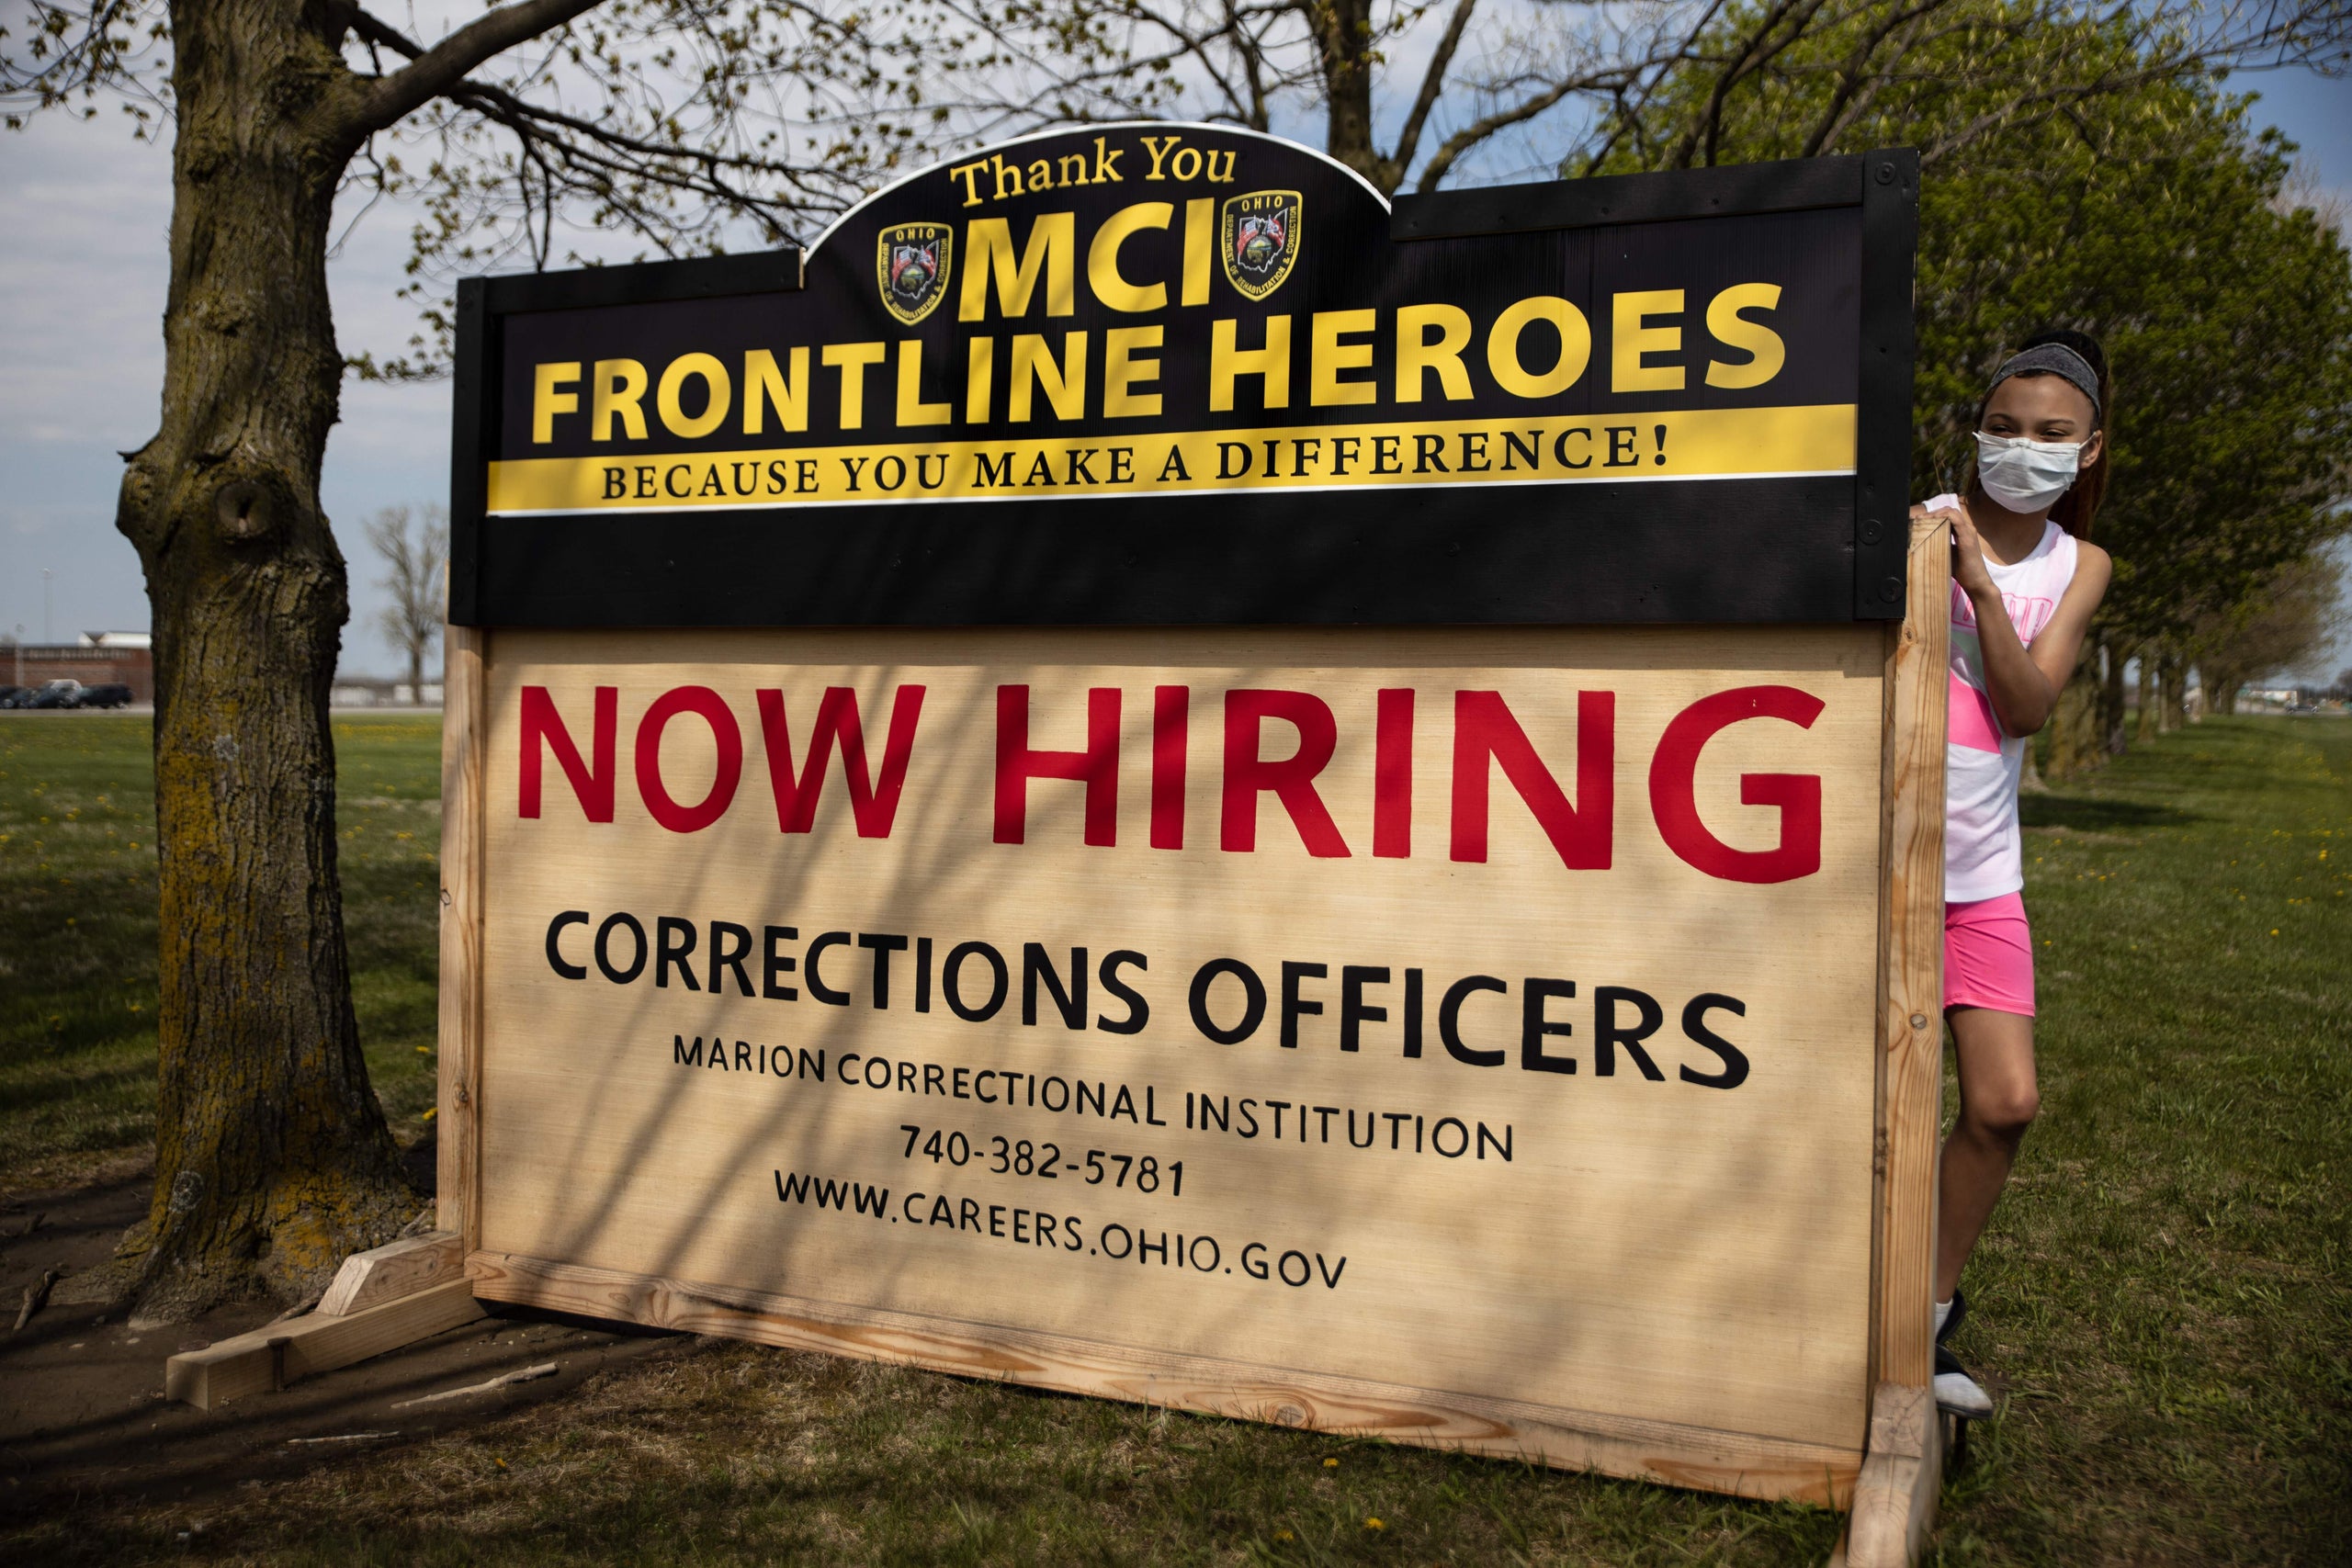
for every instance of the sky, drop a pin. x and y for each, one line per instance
(84, 214)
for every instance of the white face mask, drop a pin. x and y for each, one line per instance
(2026, 476)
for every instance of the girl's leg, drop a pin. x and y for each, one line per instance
(1997, 1102)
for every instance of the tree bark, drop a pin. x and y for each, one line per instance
(2113, 739)
(272, 1158)
(2074, 732)
(1344, 44)
(2222, 691)
(2174, 701)
(2030, 780)
(2146, 727)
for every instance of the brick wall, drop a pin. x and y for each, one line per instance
(133, 667)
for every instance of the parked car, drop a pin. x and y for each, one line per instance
(9, 694)
(113, 695)
(57, 694)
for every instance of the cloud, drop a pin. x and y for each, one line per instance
(84, 264)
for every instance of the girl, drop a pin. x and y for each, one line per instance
(2025, 579)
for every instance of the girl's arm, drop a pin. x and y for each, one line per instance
(2024, 683)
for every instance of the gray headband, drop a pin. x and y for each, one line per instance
(2056, 359)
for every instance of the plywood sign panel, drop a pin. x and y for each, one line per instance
(1484, 1012)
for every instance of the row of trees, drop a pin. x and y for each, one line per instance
(2085, 166)
(2095, 171)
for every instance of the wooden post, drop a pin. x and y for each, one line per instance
(1912, 949)
(464, 737)
(1894, 1497)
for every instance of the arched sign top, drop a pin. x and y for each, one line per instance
(1094, 229)
(1053, 147)
(1123, 373)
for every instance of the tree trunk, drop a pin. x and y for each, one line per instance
(2030, 781)
(2221, 690)
(272, 1157)
(2113, 739)
(2074, 733)
(1345, 45)
(2145, 729)
(416, 673)
(2174, 714)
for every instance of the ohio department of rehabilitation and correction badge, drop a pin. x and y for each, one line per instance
(911, 262)
(1259, 238)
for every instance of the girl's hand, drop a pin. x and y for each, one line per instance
(1968, 567)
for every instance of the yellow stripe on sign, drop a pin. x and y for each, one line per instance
(1697, 444)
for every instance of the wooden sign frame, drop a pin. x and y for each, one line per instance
(1890, 1481)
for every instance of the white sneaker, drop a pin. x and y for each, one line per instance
(1957, 1393)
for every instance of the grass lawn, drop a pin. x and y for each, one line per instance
(77, 931)
(2165, 1297)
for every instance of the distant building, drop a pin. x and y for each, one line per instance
(98, 659)
(376, 692)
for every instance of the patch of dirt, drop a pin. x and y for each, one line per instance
(83, 1417)
(75, 1168)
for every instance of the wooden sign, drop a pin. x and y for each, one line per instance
(1145, 776)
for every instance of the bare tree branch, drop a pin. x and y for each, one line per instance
(386, 100)
(1432, 85)
(1451, 150)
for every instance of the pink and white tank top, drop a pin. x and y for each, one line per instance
(1983, 856)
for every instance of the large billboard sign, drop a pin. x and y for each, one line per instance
(1144, 776)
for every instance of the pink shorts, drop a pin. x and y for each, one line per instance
(1988, 956)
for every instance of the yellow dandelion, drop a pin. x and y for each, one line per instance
(1284, 1535)
(1330, 1464)
(430, 1112)
(1373, 1525)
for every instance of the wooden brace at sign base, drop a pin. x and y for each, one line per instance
(1894, 1497)
(281, 1353)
